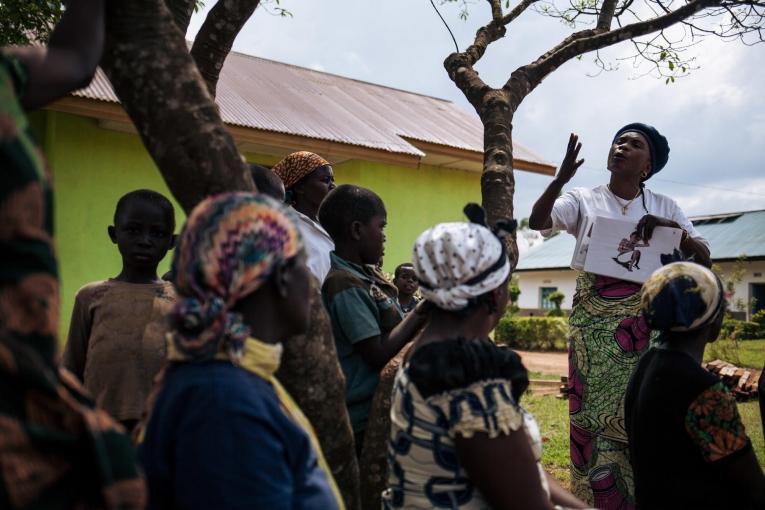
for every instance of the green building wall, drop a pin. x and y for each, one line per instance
(92, 167)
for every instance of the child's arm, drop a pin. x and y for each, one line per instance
(353, 312)
(378, 350)
(79, 335)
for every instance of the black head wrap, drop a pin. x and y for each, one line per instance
(657, 144)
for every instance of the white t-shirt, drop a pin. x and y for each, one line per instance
(318, 246)
(575, 210)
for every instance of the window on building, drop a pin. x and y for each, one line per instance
(544, 294)
(757, 292)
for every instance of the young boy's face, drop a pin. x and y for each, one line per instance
(372, 239)
(406, 281)
(143, 234)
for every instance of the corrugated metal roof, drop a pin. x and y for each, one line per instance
(730, 236)
(264, 94)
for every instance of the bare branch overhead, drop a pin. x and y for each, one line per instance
(606, 15)
(590, 40)
(216, 37)
(496, 10)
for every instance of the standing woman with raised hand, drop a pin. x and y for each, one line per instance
(222, 432)
(57, 450)
(608, 334)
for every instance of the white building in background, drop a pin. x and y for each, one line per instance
(544, 268)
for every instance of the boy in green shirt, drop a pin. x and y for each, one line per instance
(366, 320)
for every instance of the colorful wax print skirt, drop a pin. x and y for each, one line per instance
(608, 335)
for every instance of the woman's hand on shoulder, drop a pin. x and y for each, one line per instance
(649, 222)
(570, 164)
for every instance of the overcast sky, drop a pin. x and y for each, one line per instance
(714, 119)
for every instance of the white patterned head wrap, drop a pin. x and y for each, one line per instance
(455, 262)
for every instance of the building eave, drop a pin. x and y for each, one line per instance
(111, 115)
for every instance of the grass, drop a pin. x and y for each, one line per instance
(750, 415)
(552, 415)
(543, 376)
(744, 353)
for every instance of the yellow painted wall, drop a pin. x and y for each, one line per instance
(93, 167)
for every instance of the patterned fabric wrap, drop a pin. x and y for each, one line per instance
(57, 451)
(292, 169)
(228, 248)
(608, 335)
(425, 471)
(714, 425)
(455, 262)
(682, 296)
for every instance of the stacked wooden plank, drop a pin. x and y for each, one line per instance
(741, 381)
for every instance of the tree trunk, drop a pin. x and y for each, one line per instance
(497, 180)
(182, 10)
(216, 37)
(161, 89)
(311, 373)
(159, 86)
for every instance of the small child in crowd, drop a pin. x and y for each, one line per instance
(406, 282)
(366, 322)
(116, 339)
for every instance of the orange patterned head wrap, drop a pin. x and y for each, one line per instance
(297, 165)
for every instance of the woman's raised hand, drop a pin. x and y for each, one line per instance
(570, 164)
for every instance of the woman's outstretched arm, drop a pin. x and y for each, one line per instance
(541, 213)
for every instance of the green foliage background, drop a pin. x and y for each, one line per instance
(25, 21)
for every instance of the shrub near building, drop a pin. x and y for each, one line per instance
(533, 333)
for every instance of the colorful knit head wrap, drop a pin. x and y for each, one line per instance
(682, 296)
(298, 165)
(227, 250)
(457, 262)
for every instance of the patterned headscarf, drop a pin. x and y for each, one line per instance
(228, 248)
(456, 262)
(682, 296)
(298, 165)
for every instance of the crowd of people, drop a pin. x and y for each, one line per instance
(168, 392)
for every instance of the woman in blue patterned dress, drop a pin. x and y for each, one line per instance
(459, 438)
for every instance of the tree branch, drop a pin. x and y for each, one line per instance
(606, 14)
(150, 68)
(216, 37)
(517, 11)
(496, 10)
(594, 39)
(459, 66)
(181, 11)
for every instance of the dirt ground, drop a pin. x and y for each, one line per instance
(553, 363)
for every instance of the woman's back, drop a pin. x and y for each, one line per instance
(218, 438)
(447, 388)
(683, 427)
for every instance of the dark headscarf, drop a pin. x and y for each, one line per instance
(682, 296)
(657, 144)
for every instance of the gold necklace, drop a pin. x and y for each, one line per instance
(619, 200)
